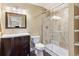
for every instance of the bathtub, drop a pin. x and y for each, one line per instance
(56, 50)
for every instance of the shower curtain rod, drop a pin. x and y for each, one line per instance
(48, 10)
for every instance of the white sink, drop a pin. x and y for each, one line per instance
(14, 35)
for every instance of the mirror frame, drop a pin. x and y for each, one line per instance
(7, 19)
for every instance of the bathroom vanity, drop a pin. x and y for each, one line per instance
(15, 44)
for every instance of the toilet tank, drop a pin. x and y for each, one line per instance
(35, 39)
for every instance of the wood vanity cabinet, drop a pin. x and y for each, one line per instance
(16, 46)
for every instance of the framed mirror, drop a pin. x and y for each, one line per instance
(15, 20)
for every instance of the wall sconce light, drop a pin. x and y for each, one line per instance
(15, 10)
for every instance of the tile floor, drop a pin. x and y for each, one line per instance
(45, 53)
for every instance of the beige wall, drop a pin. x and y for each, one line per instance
(33, 23)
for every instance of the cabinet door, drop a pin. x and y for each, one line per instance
(17, 47)
(26, 45)
(21, 46)
(5, 46)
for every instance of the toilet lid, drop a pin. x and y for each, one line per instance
(39, 45)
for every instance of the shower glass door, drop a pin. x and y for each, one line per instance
(55, 31)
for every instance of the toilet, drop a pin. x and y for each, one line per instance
(39, 47)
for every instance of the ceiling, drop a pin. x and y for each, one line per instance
(47, 5)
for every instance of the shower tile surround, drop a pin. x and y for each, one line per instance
(60, 28)
(56, 29)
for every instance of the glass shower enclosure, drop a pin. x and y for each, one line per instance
(55, 31)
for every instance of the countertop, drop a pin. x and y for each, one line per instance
(13, 35)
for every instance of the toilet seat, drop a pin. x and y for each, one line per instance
(39, 46)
